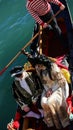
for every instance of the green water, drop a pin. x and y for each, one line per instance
(16, 27)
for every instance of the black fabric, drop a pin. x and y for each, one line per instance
(40, 59)
(21, 97)
(34, 44)
(16, 69)
(53, 23)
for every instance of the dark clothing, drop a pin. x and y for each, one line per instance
(22, 96)
(45, 18)
(34, 45)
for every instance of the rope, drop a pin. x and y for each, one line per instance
(40, 40)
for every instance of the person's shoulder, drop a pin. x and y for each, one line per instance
(27, 3)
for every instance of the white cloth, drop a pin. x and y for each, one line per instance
(23, 82)
(55, 105)
(33, 114)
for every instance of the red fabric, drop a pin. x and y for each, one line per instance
(60, 58)
(16, 124)
(58, 62)
(17, 116)
(51, 42)
(35, 109)
(42, 24)
(69, 101)
(61, 65)
(60, 4)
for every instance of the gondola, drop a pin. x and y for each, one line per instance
(51, 46)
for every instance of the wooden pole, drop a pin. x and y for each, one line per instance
(28, 43)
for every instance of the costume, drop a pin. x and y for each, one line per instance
(70, 107)
(26, 92)
(54, 105)
(23, 118)
(55, 93)
(42, 12)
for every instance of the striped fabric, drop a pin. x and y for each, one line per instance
(40, 7)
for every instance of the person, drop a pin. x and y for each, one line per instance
(34, 45)
(26, 92)
(55, 92)
(42, 12)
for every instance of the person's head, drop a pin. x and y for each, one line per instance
(16, 71)
(40, 60)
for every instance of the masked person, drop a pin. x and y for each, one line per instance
(26, 92)
(55, 93)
